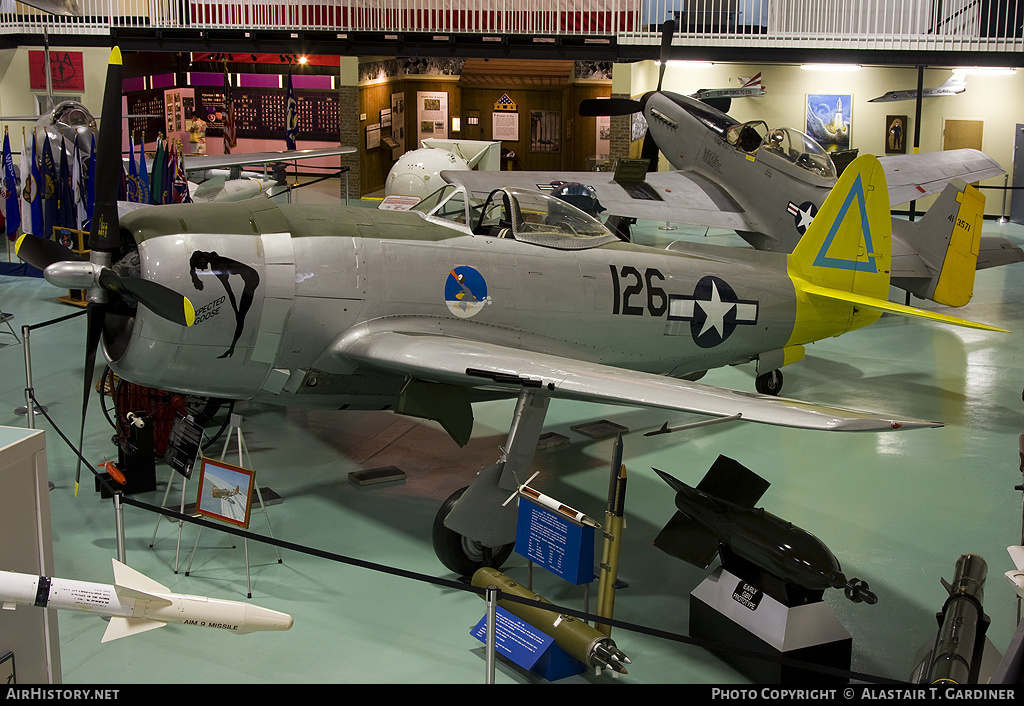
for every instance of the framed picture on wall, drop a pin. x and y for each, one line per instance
(895, 134)
(545, 130)
(829, 119)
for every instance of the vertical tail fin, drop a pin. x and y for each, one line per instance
(947, 240)
(848, 245)
(841, 267)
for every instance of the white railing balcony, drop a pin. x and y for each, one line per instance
(922, 25)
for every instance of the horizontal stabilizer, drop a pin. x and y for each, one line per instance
(124, 627)
(732, 481)
(892, 307)
(685, 539)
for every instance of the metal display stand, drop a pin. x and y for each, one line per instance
(236, 426)
(181, 510)
(729, 610)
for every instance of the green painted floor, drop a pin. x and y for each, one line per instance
(896, 509)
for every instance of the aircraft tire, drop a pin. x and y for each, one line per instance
(769, 383)
(460, 554)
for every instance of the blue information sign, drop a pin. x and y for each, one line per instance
(561, 546)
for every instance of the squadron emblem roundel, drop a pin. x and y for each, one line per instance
(465, 291)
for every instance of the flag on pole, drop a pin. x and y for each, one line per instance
(25, 187)
(65, 201)
(36, 191)
(48, 187)
(12, 211)
(90, 182)
(291, 119)
(230, 138)
(159, 162)
(143, 173)
(4, 186)
(132, 184)
(180, 190)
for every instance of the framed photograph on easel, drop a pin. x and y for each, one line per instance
(225, 492)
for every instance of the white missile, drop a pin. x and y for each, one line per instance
(136, 603)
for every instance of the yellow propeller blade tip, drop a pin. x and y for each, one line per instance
(115, 56)
(190, 313)
(17, 243)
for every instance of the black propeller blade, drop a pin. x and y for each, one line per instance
(41, 252)
(104, 230)
(596, 107)
(667, 30)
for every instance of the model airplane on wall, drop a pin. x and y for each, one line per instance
(428, 310)
(950, 87)
(767, 185)
(721, 98)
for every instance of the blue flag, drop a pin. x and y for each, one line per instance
(66, 216)
(143, 173)
(36, 192)
(49, 188)
(10, 190)
(132, 185)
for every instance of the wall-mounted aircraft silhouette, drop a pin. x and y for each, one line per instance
(767, 185)
(429, 310)
(950, 87)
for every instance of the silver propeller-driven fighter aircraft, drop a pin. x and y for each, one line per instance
(428, 310)
(767, 185)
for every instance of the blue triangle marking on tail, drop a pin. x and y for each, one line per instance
(823, 260)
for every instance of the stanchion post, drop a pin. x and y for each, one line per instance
(492, 620)
(29, 407)
(1002, 211)
(119, 526)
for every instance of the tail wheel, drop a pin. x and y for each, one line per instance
(461, 554)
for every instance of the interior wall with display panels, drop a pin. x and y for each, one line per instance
(557, 99)
(376, 163)
(376, 97)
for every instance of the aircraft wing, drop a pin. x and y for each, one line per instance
(460, 361)
(195, 162)
(914, 176)
(680, 197)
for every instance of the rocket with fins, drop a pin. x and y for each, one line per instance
(136, 603)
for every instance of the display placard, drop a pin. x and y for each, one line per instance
(183, 445)
(553, 541)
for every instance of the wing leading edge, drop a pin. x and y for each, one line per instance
(460, 361)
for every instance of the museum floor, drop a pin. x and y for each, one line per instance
(897, 509)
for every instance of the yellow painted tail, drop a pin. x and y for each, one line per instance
(846, 250)
(841, 267)
(848, 245)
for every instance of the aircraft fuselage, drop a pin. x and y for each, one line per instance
(271, 303)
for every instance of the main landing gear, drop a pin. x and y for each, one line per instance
(476, 526)
(769, 383)
(459, 553)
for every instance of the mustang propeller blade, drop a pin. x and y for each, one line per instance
(596, 107)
